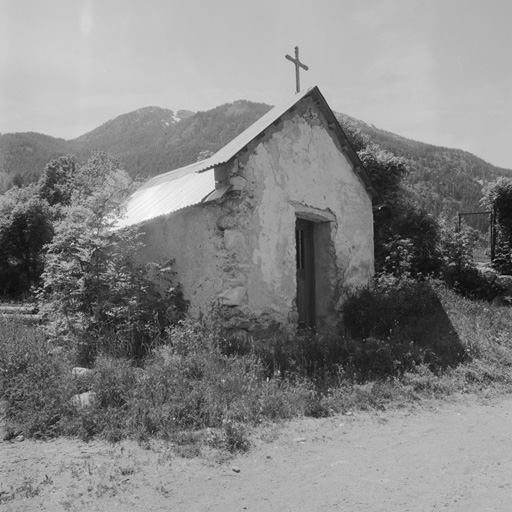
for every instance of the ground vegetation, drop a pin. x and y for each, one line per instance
(421, 329)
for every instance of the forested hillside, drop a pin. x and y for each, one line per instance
(444, 181)
(153, 140)
(24, 155)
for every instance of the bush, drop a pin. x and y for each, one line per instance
(387, 307)
(458, 270)
(397, 324)
(409, 243)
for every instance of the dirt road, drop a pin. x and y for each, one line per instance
(457, 457)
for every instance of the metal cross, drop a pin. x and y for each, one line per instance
(298, 64)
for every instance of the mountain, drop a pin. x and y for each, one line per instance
(153, 140)
(148, 141)
(134, 130)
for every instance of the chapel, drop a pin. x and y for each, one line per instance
(273, 230)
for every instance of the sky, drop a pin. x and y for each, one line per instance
(438, 71)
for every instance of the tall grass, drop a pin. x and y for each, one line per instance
(188, 384)
(197, 391)
(34, 380)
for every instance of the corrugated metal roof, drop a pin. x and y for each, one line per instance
(195, 183)
(163, 196)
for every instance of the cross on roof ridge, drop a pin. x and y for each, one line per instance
(298, 64)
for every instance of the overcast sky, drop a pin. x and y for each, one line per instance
(439, 71)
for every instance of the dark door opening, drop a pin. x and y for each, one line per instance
(305, 273)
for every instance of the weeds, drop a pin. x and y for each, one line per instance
(417, 340)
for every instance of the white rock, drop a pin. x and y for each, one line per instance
(83, 400)
(79, 371)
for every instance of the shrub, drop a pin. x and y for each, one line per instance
(458, 268)
(408, 243)
(388, 306)
(236, 436)
(397, 324)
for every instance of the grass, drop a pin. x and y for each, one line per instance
(198, 396)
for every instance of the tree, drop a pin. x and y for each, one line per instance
(25, 228)
(406, 236)
(57, 181)
(410, 242)
(27, 213)
(93, 286)
(498, 197)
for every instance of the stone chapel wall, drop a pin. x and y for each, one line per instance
(295, 170)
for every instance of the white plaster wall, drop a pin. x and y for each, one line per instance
(300, 163)
(191, 237)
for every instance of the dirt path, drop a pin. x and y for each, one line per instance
(456, 458)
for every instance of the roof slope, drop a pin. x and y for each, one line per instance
(177, 189)
(167, 196)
